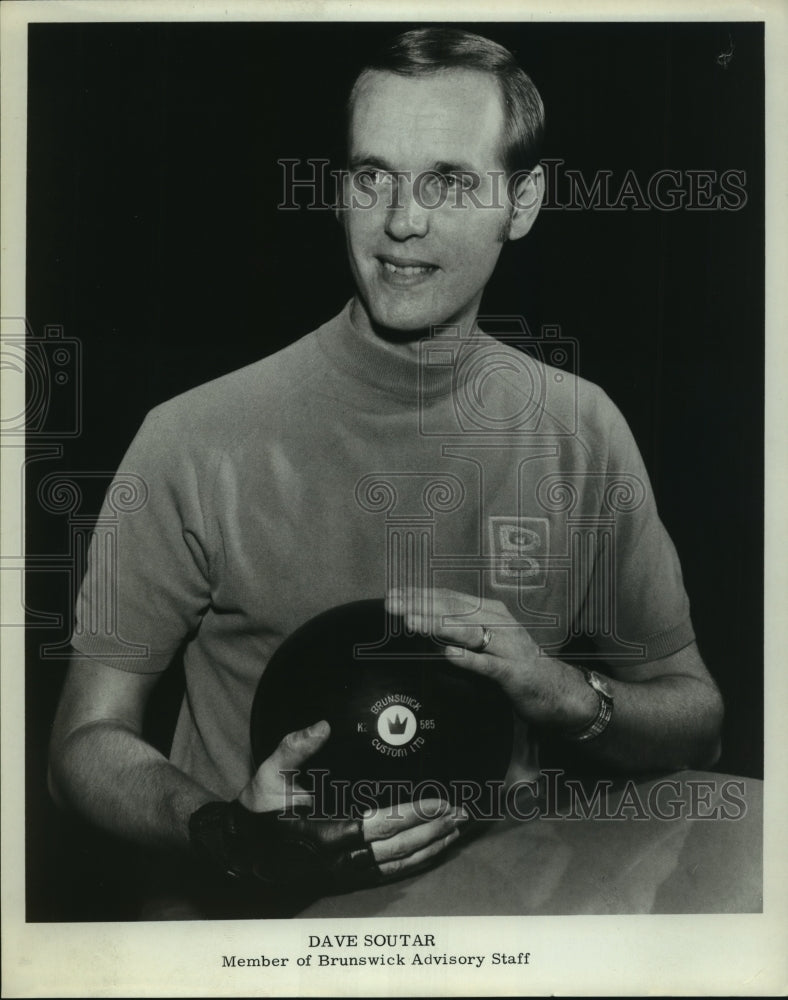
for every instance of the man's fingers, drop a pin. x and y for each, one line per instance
(434, 625)
(463, 635)
(431, 601)
(296, 748)
(387, 821)
(412, 841)
(273, 787)
(299, 800)
(411, 864)
(447, 614)
(479, 663)
(405, 837)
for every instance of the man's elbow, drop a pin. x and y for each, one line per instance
(57, 777)
(709, 744)
(67, 762)
(708, 755)
(54, 791)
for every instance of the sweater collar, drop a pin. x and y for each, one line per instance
(426, 373)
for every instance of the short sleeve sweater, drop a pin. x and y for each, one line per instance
(282, 489)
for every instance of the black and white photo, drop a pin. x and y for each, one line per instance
(391, 452)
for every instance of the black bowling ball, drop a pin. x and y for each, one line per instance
(405, 722)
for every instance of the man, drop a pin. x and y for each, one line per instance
(260, 511)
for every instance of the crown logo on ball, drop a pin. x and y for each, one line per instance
(397, 725)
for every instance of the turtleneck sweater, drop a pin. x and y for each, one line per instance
(276, 492)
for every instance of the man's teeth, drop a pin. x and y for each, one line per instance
(396, 269)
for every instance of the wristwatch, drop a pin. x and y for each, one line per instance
(601, 721)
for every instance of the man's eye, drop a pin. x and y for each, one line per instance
(448, 182)
(432, 181)
(463, 181)
(372, 177)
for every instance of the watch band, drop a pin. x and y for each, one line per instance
(601, 721)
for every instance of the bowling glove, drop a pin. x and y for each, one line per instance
(327, 855)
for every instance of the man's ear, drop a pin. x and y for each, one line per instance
(526, 194)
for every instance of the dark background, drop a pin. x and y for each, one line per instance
(154, 240)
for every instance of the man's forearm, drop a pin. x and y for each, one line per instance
(670, 721)
(108, 774)
(666, 713)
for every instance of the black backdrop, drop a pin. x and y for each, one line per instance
(154, 240)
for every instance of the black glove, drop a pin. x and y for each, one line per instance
(283, 849)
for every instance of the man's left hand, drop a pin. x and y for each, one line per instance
(483, 636)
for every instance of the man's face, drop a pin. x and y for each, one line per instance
(413, 265)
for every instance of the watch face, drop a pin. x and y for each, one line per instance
(599, 684)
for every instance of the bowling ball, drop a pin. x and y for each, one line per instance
(405, 723)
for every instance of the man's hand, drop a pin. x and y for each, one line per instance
(485, 638)
(667, 713)
(400, 839)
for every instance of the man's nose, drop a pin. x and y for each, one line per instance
(405, 215)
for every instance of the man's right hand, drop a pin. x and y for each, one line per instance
(399, 840)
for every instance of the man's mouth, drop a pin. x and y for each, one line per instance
(406, 268)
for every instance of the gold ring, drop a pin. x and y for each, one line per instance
(486, 637)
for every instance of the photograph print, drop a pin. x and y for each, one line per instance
(393, 469)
